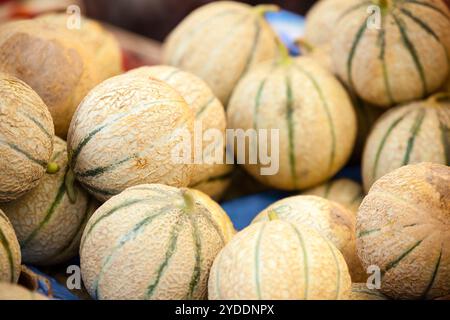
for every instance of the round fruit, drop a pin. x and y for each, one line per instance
(361, 292)
(218, 180)
(279, 260)
(417, 132)
(9, 251)
(311, 110)
(53, 63)
(329, 218)
(403, 228)
(210, 122)
(26, 138)
(396, 54)
(128, 131)
(220, 42)
(153, 242)
(10, 291)
(47, 223)
(343, 191)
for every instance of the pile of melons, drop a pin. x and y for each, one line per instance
(147, 227)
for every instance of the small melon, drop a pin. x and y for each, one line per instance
(153, 242)
(279, 260)
(329, 218)
(343, 191)
(417, 132)
(26, 138)
(10, 259)
(361, 292)
(48, 224)
(403, 227)
(10, 291)
(126, 132)
(220, 42)
(311, 111)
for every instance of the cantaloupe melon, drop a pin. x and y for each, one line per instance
(26, 138)
(279, 260)
(220, 42)
(403, 227)
(217, 182)
(343, 191)
(47, 223)
(329, 218)
(209, 114)
(361, 292)
(311, 110)
(417, 132)
(321, 20)
(126, 132)
(10, 291)
(9, 251)
(51, 61)
(153, 242)
(395, 55)
(320, 54)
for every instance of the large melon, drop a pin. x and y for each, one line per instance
(126, 132)
(279, 260)
(47, 223)
(343, 191)
(9, 251)
(403, 228)
(311, 110)
(51, 61)
(396, 55)
(209, 115)
(220, 42)
(10, 291)
(26, 138)
(417, 132)
(153, 242)
(329, 218)
(361, 292)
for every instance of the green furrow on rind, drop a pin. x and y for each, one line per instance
(290, 127)
(4, 242)
(338, 276)
(369, 292)
(382, 43)
(394, 263)
(205, 106)
(383, 142)
(445, 137)
(257, 253)
(101, 170)
(258, 102)
(413, 52)
(305, 258)
(214, 225)
(105, 192)
(169, 253)
(171, 74)
(429, 6)
(352, 52)
(422, 24)
(352, 9)
(48, 215)
(327, 112)
(198, 260)
(367, 232)
(16, 148)
(255, 43)
(224, 176)
(414, 132)
(433, 277)
(38, 124)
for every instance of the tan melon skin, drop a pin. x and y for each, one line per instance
(49, 226)
(52, 61)
(343, 191)
(219, 42)
(209, 113)
(361, 292)
(329, 218)
(403, 228)
(141, 121)
(9, 251)
(217, 183)
(134, 264)
(428, 145)
(317, 155)
(403, 78)
(266, 261)
(26, 138)
(15, 292)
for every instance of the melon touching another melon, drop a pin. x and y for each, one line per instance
(47, 222)
(343, 191)
(311, 110)
(218, 181)
(153, 242)
(329, 218)
(403, 227)
(417, 132)
(279, 260)
(10, 291)
(10, 258)
(360, 291)
(220, 42)
(126, 132)
(26, 138)
(396, 54)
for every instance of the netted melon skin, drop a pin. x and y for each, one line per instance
(10, 257)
